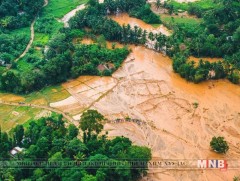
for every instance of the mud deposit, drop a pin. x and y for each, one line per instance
(146, 88)
(124, 19)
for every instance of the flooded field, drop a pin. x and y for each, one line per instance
(181, 117)
(124, 18)
(146, 88)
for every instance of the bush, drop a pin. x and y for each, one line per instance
(234, 78)
(219, 145)
(145, 14)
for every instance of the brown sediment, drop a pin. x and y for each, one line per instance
(109, 45)
(211, 60)
(124, 19)
(87, 41)
(145, 87)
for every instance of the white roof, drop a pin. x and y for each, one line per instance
(13, 152)
(16, 150)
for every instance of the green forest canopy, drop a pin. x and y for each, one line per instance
(47, 139)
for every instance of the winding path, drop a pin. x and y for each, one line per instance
(32, 36)
(72, 13)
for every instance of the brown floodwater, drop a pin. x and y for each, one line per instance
(109, 45)
(181, 117)
(145, 87)
(124, 19)
(211, 60)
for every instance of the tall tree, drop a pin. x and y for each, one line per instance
(91, 123)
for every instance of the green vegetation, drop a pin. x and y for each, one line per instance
(193, 8)
(219, 145)
(17, 14)
(145, 14)
(58, 8)
(15, 19)
(63, 60)
(13, 44)
(236, 178)
(169, 21)
(44, 96)
(217, 35)
(14, 115)
(47, 25)
(47, 139)
(136, 8)
(195, 105)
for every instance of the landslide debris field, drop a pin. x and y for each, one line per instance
(146, 88)
(181, 117)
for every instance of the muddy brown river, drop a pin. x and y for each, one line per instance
(124, 19)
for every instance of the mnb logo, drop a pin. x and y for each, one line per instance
(222, 164)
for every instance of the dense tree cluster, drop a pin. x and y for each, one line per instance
(16, 14)
(6, 144)
(95, 10)
(49, 140)
(136, 8)
(62, 60)
(94, 18)
(217, 36)
(11, 46)
(145, 13)
(204, 70)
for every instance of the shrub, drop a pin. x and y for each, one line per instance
(219, 145)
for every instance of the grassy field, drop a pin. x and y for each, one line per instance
(58, 8)
(47, 95)
(168, 19)
(13, 115)
(42, 97)
(204, 4)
